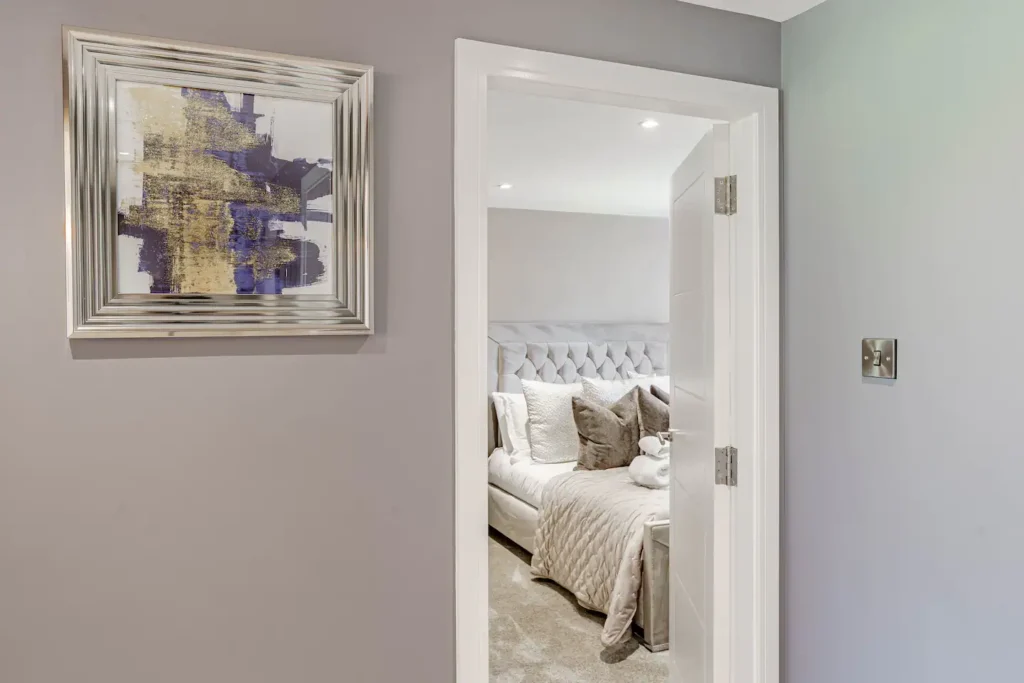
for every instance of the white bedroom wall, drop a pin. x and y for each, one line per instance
(571, 267)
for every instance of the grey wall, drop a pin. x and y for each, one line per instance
(551, 266)
(217, 510)
(903, 542)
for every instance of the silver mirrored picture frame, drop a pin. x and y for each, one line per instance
(94, 63)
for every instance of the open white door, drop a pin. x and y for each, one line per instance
(700, 345)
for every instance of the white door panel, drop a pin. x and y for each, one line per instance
(688, 251)
(689, 663)
(690, 532)
(686, 354)
(699, 354)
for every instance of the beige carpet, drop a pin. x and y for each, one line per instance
(539, 634)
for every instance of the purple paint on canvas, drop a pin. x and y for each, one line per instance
(152, 255)
(305, 269)
(252, 224)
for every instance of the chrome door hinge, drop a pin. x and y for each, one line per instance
(725, 466)
(725, 195)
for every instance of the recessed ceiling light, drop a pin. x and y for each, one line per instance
(505, 186)
(649, 124)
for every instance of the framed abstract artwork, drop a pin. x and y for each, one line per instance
(215, 191)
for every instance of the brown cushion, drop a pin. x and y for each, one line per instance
(608, 435)
(660, 394)
(652, 413)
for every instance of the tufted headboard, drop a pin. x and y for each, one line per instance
(564, 352)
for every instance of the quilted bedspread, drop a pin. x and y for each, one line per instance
(590, 541)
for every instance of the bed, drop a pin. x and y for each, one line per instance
(564, 353)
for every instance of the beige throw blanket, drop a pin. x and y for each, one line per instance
(590, 541)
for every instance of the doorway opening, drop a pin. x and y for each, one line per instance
(717, 601)
(580, 247)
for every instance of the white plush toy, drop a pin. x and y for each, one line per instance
(654, 447)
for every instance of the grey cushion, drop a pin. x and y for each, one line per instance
(660, 394)
(608, 435)
(652, 412)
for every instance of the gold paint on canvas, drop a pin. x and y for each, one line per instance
(188, 192)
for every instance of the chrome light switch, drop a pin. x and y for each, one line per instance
(878, 358)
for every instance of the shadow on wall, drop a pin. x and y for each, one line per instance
(94, 349)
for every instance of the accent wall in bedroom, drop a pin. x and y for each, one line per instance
(262, 510)
(549, 266)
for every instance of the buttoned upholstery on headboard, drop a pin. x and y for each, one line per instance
(565, 352)
(567, 362)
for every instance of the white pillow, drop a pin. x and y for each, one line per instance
(551, 427)
(607, 391)
(501, 412)
(663, 382)
(512, 417)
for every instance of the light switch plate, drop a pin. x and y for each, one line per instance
(878, 358)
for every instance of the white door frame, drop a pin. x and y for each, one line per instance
(482, 66)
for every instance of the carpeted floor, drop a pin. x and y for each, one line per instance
(540, 635)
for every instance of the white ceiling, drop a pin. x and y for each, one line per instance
(563, 155)
(778, 10)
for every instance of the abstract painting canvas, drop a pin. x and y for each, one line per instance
(218, 192)
(222, 193)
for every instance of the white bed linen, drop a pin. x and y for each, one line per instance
(524, 479)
